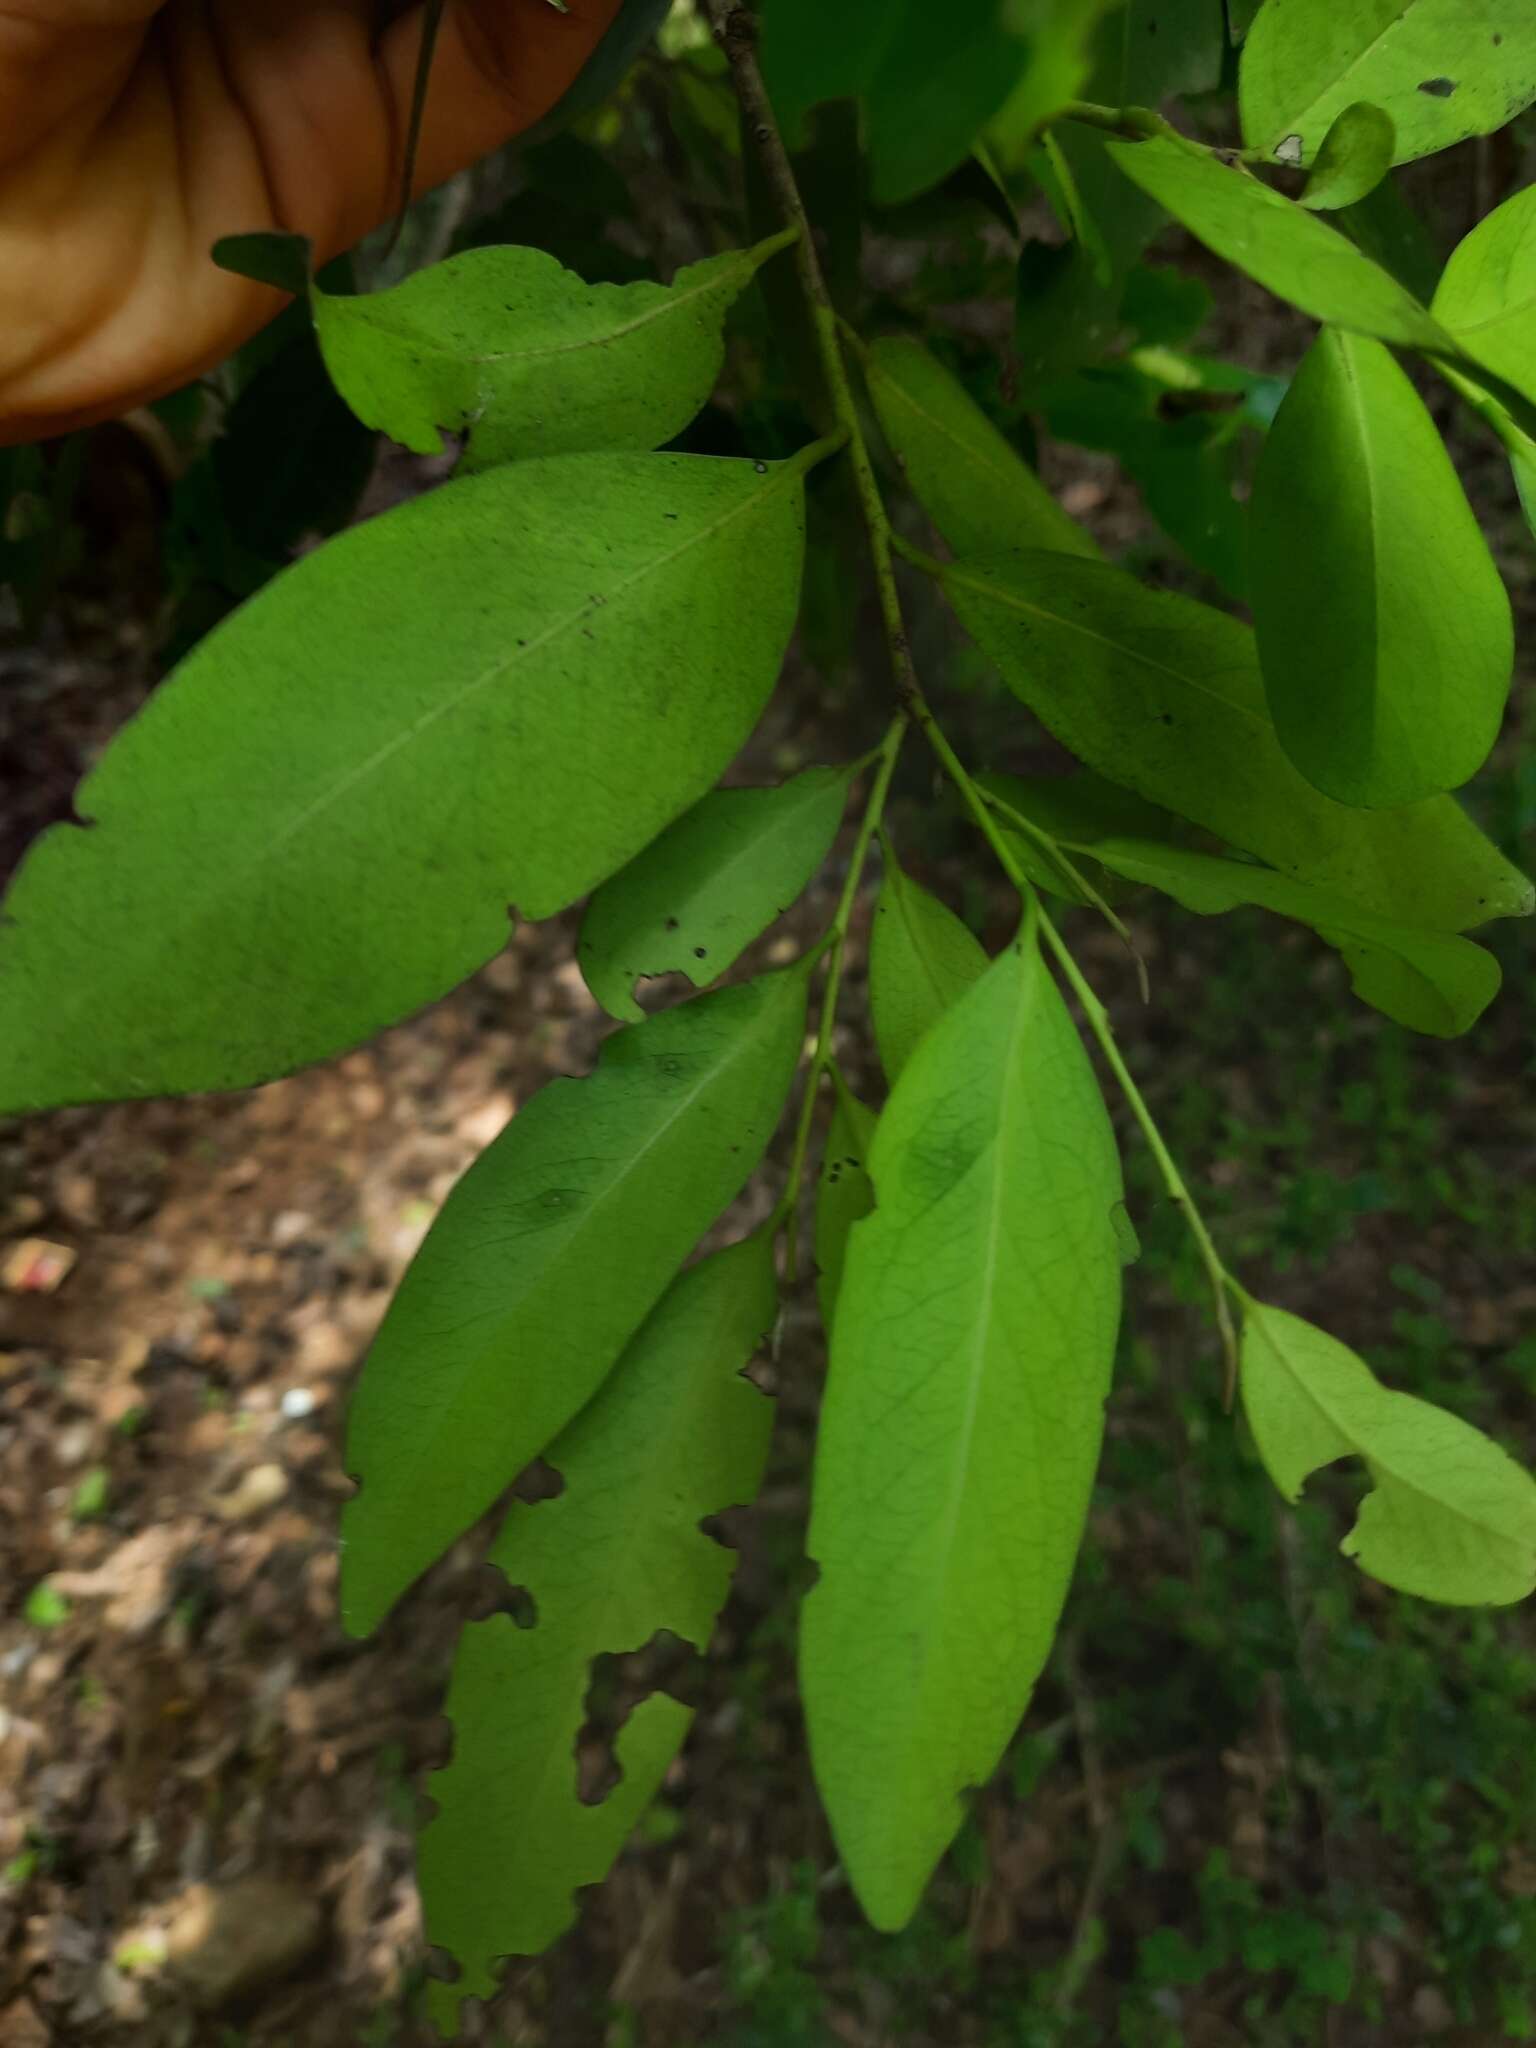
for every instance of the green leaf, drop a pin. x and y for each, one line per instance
(511, 346)
(978, 491)
(922, 959)
(1355, 156)
(1487, 296)
(1452, 1517)
(1430, 981)
(545, 1259)
(929, 81)
(1443, 70)
(970, 1362)
(1385, 635)
(1287, 249)
(319, 822)
(676, 1434)
(845, 1194)
(700, 894)
(1163, 695)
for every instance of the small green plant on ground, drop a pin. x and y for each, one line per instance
(520, 691)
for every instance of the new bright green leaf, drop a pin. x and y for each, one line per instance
(1487, 295)
(1430, 981)
(1443, 70)
(978, 491)
(676, 1434)
(697, 898)
(1287, 249)
(545, 1259)
(320, 822)
(1384, 632)
(514, 348)
(1164, 696)
(1451, 1516)
(1355, 156)
(922, 959)
(845, 1194)
(970, 1362)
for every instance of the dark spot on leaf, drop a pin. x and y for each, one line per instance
(1438, 88)
(1167, 718)
(671, 924)
(701, 952)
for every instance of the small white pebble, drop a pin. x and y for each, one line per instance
(297, 1403)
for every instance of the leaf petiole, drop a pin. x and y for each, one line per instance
(833, 945)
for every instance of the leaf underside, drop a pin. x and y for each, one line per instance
(1451, 1516)
(675, 1435)
(318, 824)
(545, 1259)
(960, 1431)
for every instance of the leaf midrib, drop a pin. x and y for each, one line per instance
(1024, 1010)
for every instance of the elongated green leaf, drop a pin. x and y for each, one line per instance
(676, 1434)
(1487, 295)
(1355, 156)
(970, 1361)
(1164, 696)
(320, 822)
(1451, 1517)
(696, 899)
(1430, 981)
(1287, 249)
(922, 959)
(1385, 635)
(1443, 70)
(928, 80)
(545, 1259)
(978, 491)
(845, 1194)
(511, 346)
